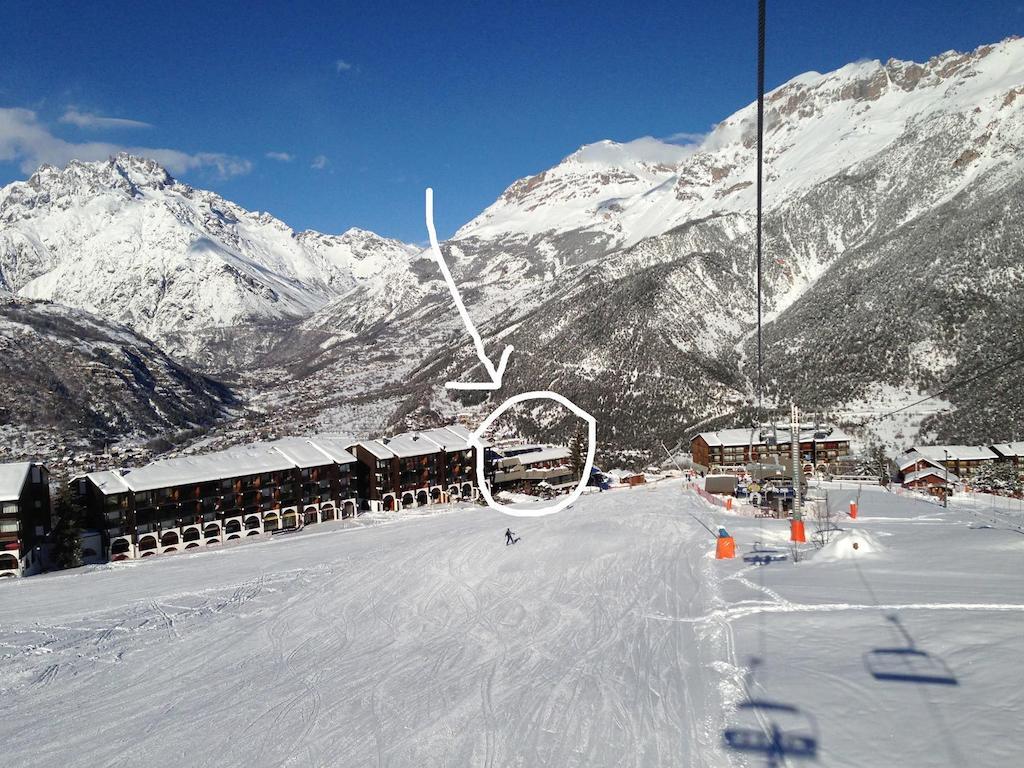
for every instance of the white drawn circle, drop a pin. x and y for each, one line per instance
(476, 439)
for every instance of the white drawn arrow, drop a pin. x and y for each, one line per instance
(494, 373)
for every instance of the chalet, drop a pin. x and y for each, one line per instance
(911, 461)
(738, 447)
(934, 480)
(524, 467)
(24, 515)
(1012, 453)
(417, 468)
(201, 501)
(961, 460)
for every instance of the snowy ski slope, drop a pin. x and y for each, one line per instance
(608, 636)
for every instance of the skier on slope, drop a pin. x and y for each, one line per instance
(510, 538)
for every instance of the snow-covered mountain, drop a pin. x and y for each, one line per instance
(623, 276)
(124, 240)
(816, 125)
(70, 381)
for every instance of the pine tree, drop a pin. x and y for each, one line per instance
(884, 475)
(67, 540)
(1001, 478)
(577, 452)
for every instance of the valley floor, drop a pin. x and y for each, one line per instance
(607, 636)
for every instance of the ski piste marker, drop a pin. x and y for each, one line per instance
(476, 438)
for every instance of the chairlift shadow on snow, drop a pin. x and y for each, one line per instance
(907, 664)
(778, 731)
(762, 555)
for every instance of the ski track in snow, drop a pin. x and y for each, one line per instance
(408, 644)
(609, 636)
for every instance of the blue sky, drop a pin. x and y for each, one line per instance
(368, 103)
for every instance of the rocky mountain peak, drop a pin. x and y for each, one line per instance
(123, 172)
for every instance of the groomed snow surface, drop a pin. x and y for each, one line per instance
(609, 636)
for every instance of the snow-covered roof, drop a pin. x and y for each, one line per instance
(298, 451)
(912, 457)
(729, 437)
(375, 448)
(335, 448)
(186, 470)
(12, 479)
(409, 444)
(1009, 449)
(955, 452)
(562, 486)
(744, 437)
(550, 453)
(311, 452)
(931, 471)
(108, 482)
(286, 453)
(451, 438)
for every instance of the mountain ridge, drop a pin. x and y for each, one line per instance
(124, 239)
(855, 159)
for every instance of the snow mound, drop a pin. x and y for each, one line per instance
(849, 545)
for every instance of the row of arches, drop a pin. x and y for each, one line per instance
(10, 565)
(212, 534)
(424, 496)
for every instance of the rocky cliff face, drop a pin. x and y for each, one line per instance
(68, 378)
(890, 226)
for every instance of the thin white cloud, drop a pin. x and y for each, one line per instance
(342, 66)
(319, 163)
(686, 139)
(645, 149)
(92, 121)
(25, 140)
(284, 157)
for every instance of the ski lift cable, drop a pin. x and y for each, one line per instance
(762, 641)
(760, 185)
(1016, 354)
(947, 388)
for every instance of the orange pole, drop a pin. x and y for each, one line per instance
(853, 509)
(728, 502)
(796, 530)
(725, 548)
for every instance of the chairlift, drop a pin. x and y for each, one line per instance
(817, 430)
(777, 731)
(908, 665)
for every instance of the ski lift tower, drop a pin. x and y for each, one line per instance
(796, 532)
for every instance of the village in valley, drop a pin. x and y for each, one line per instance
(833, 564)
(205, 500)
